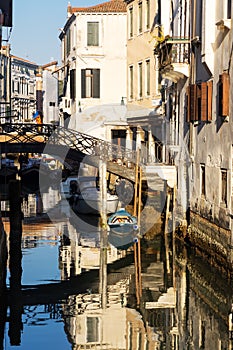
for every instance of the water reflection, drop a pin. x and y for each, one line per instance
(185, 303)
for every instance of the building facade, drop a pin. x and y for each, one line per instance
(144, 108)
(23, 89)
(195, 62)
(93, 44)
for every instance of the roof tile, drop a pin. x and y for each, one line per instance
(109, 6)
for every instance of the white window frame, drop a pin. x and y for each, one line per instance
(140, 80)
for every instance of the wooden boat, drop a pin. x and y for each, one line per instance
(123, 229)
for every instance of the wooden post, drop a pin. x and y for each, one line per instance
(139, 241)
(15, 264)
(15, 235)
(136, 184)
(104, 234)
(166, 233)
(173, 234)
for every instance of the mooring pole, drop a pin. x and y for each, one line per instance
(136, 204)
(166, 233)
(103, 234)
(139, 240)
(15, 235)
(15, 264)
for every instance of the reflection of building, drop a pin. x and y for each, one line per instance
(203, 304)
(117, 327)
(80, 251)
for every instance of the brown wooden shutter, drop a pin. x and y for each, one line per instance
(204, 100)
(188, 104)
(225, 94)
(209, 101)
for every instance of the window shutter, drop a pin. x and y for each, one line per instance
(96, 83)
(210, 97)
(204, 101)
(83, 83)
(93, 33)
(225, 94)
(188, 104)
(72, 84)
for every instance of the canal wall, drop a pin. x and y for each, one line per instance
(3, 259)
(210, 240)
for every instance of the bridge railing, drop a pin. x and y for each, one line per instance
(57, 135)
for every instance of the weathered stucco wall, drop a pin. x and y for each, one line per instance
(211, 239)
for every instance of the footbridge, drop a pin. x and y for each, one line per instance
(67, 144)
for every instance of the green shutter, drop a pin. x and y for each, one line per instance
(83, 83)
(96, 83)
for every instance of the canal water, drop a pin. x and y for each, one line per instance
(183, 303)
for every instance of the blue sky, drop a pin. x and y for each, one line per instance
(35, 30)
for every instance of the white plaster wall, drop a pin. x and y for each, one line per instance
(50, 94)
(109, 57)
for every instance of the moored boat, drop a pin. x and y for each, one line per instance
(123, 229)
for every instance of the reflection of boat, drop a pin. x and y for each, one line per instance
(122, 222)
(89, 201)
(123, 229)
(73, 184)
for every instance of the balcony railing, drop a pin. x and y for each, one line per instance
(173, 51)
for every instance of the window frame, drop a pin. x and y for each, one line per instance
(147, 15)
(131, 26)
(140, 80)
(93, 35)
(131, 82)
(94, 76)
(203, 180)
(140, 17)
(224, 186)
(147, 78)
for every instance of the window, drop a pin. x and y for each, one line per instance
(131, 92)
(31, 89)
(140, 17)
(52, 104)
(147, 14)
(203, 180)
(228, 9)
(224, 186)
(131, 22)
(224, 88)
(92, 33)
(199, 102)
(90, 83)
(72, 84)
(147, 77)
(67, 42)
(93, 325)
(140, 79)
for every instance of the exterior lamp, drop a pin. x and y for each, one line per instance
(122, 100)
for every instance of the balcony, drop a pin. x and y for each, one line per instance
(174, 58)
